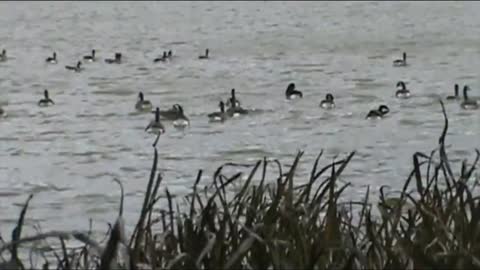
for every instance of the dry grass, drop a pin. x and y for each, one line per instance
(276, 225)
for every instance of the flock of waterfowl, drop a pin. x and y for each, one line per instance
(232, 107)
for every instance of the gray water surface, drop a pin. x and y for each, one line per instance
(68, 154)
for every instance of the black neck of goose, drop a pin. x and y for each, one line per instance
(140, 96)
(54, 56)
(456, 90)
(465, 95)
(157, 115)
(93, 53)
(45, 93)
(404, 57)
(78, 65)
(206, 52)
(234, 101)
(222, 107)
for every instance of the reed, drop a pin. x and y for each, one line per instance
(276, 224)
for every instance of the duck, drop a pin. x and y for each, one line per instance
(117, 60)
(292, 93)
(90, 58)
(401, 62)
(155, 126)
(328, 102)
(403, 92)
(3, 56)
(457, 89)
(204, 56)
(52, 59)
(142, 104)
(378, 114)
(468, 104)
(218, 116)
(233, 101)
(76, 68)
(46, 100)
(161, 59)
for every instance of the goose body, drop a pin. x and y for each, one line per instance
(161, 59)
(218, 116)
(467, 103)
(378, 114)
(204, 56)
(233, 101)
(52, 59)
(142, 104)
(46, 100)
(328, 102)
(403, 92)
(236, 111)
(90, 58)
(3, 56)
(292, 93)
(155, 126)
(180, 119)
(76, 68)
(116, 60)
(401, 62)
(456, 96)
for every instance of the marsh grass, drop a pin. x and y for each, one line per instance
(276, 224)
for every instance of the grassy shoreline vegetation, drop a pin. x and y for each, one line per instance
(275, 224)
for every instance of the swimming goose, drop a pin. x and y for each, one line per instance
(236, 111)
(46, 100)
(142, 104)
(456, 93)
(170, 54)
(180, 119)
(292, 93)
(90, 58)
(468, 104)
(76, 68)
(155, 126)
(233, 100)
(204, 56)
(117, 60)
(161, 59)
(401, 62)
(52, 59)
(403, 92)
(328, 102)
(218, 116)
(378, 114)
(3, 56)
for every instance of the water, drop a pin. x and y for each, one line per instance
(68, 154)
